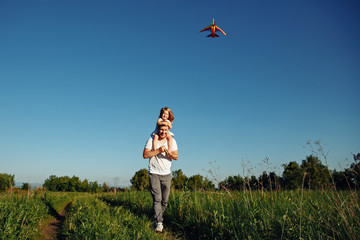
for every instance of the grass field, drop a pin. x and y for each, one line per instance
(190, 215)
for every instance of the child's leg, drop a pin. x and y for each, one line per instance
(170, 141)
(155, 141)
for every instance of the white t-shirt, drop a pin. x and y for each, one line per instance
(160, 164)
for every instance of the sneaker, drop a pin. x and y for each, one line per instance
(159, 227)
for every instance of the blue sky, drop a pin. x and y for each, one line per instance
(82, 83)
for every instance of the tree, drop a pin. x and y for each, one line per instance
(275, 181)
(340, 180)
(6, 181)
(73, 184)
(317, 175)
(95, 187)
(233, 183)
(25, 186)
(179, 180)
(51, 183)
(105, 187)
(254, 184)
(140, 181)
(197, 182)
(292, 176)
(269, 181)
(63, 184)
(355, 171)
(85, 186)
(264, 181)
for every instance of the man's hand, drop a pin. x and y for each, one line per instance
(148, 153)
(172, 154)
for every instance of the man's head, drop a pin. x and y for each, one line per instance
(163, 131)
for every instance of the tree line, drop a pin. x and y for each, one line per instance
(140, 181)
(310, 174)
(57, 184)
(73, 184)
(6, 181)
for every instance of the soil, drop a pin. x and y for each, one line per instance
(51, 230)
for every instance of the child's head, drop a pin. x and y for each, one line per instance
(165, 111)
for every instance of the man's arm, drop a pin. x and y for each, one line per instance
(173, 155)
(148, 153)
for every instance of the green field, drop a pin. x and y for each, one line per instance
(190, 215)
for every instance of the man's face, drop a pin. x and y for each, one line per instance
(163, 131)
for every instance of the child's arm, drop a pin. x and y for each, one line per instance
(155, 141)
(162, 122)
(169, 141)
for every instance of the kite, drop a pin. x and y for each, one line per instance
(213, 28)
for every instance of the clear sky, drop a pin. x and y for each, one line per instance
(82, 84)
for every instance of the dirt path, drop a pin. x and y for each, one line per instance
(51, 230)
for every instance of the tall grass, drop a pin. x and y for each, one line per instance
(139, 203)
(255, 215)
(22, 216)
(306, 214)
(90, 218)
(57, 201)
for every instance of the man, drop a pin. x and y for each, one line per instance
(159, 173)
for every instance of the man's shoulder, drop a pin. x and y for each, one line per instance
(175, 146)
(148, 143)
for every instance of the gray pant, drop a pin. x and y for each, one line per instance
(160, 190)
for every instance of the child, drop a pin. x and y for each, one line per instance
(166, 117)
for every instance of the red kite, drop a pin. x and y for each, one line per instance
(213, 28)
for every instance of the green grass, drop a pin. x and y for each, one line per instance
(57, 201)
(91, 218)
(190, 215)
(21, 216)
(254, 215)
